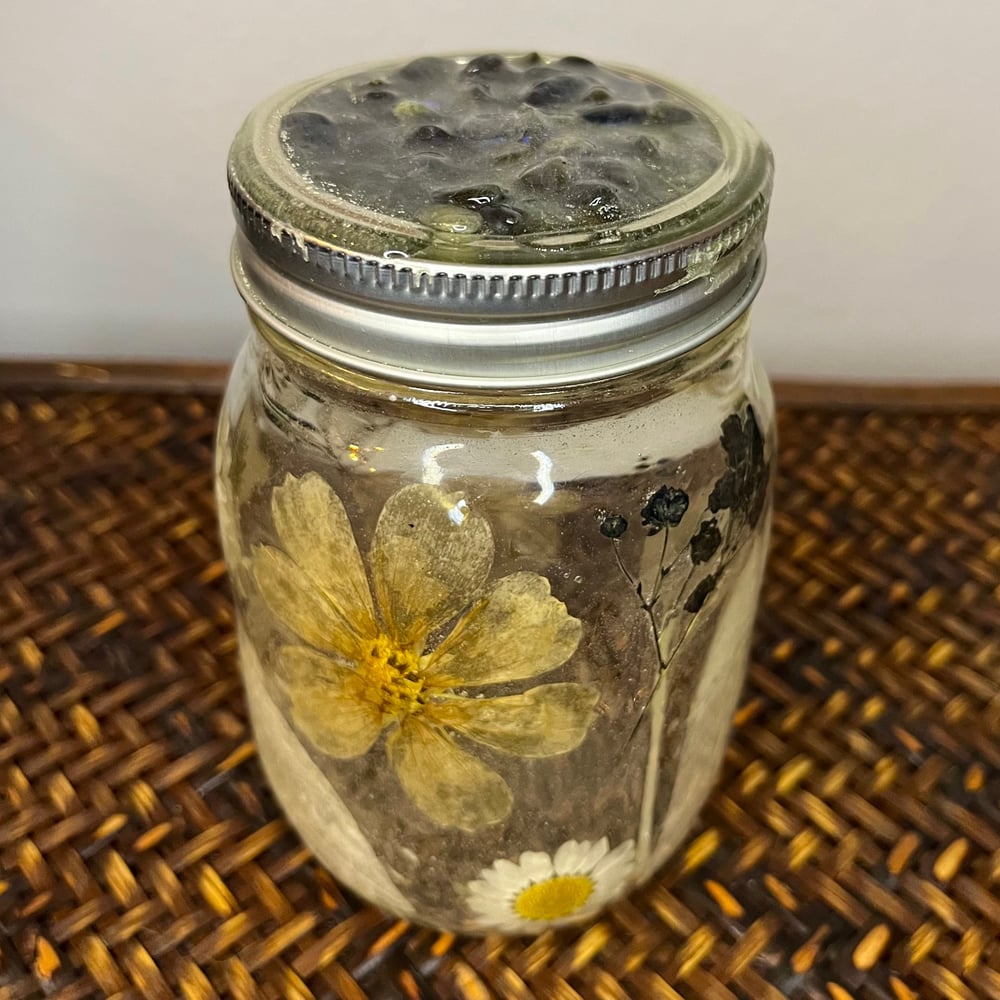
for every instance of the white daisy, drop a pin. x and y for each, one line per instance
(542, 890)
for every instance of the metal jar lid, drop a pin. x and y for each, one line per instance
(497, 221)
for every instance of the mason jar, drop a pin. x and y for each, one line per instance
(493, 473)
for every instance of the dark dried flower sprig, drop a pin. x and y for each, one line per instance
(743, 486)
(696, 599)
(705, 542)
(614, 526)
(738, 496)
(664, 509)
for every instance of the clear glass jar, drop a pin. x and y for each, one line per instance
(496, 554)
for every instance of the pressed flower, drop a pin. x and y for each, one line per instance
(696, 599)
(542, 890)
(743, 486)
(664, 509)
(368, 665)
(705, 542)
(614, 526)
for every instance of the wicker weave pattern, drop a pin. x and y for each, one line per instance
(852, 850)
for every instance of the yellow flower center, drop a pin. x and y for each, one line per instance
(391, 678)
(559, 896)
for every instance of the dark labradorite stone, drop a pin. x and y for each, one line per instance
(485, 65)
(575, 62)
(430, 135)
(431, 166)
(543, 71)
(474, 197)
(597, 200)
(572, 148)
(425, 69)
(310, 128)
(551, 175)
(377, 96)
(615, 114)
(663, 113)
(502, 220)
(555, 91)
(648, 149)
(531, 124)
(614, 171)
(568, 146)
(513, 152)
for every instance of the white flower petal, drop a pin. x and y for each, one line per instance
(492, 898)
(515, 925)
(536, 866)
(593, 855)
(510, 871)
(567, 859)
(502, 882)
(616, 864)
(486, 902)
(490, 901)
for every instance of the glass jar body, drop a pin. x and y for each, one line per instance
(492, 644)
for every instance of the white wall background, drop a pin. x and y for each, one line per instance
(115, 118)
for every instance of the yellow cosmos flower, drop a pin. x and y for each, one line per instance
(367, 666)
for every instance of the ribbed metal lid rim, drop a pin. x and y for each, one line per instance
(650, 271)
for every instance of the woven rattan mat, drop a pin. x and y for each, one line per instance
(852, 849)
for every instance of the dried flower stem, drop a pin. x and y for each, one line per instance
(739, 493)
(657, 703)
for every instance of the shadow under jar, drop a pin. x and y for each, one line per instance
(493, 473)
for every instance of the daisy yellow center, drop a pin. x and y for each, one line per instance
(559, 896)
(392, 678)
